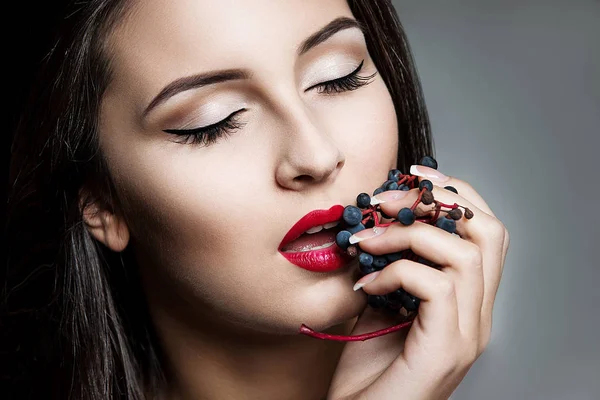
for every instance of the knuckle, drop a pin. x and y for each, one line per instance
(461, 184)
(473, 256)
(445, 287)
(471, 354)
(497, 230)
(483, 342)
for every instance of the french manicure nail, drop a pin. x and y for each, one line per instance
(364, 280)
(367, 234)
(425, 172)
(391, 195)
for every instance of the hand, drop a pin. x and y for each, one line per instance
(454, 320)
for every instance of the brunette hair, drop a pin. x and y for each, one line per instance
(75, 319)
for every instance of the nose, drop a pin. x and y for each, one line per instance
(308, 156)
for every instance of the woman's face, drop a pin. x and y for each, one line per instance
(206, 219)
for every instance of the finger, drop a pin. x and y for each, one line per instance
(464, 189)
(488, 233)
(485, 231)
(435, 289)
(491, 236)
(462, 259)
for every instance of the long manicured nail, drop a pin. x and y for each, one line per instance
(365, 279)
(367, 234)
(390, 195)
(425, 172)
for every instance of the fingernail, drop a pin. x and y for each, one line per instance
(364, 280)
(432, 174)
(367, 234)
(390, 195)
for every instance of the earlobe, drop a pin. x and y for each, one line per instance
(106, 227)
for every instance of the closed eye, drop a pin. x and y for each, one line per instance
(352, 81)
(210, 134)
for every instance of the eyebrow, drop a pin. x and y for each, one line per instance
(210, 78)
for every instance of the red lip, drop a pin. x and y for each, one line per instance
(324, 260)
(312, 219)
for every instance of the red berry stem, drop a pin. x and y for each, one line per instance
(416, 203)
(353, 338)
(437, 212)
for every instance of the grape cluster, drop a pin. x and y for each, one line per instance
(365, 215)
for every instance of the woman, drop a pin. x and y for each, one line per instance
(168, 148)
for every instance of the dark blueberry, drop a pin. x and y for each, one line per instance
(411, 303)
(352, 215)
(376, 301)
(394, 174)
(391, 186)
(342, 239)
(429, 162)
(355, 228)
(363, 200)
(403, 187)
(379, 262)
(377, 191)
(425, 183)
(449, 225)
(365, 259)
(392, 257)
(451, 188)
(366, 269)
(370, 223)
(406, 216)
(397, 296)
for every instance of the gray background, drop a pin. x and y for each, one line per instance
(513, 90)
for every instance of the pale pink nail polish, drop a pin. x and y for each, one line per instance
(392, 195)
(365, 279)
(429, 173)
(367, 234)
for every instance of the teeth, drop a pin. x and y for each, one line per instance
(316, 229)
(305, 249)
(326, 245)
(319, 228)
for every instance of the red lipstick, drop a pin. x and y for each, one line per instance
(327, 256)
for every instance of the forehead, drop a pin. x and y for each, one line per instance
(163, 39)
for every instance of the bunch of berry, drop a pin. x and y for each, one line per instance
(365, 215)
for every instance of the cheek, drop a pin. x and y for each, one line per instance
(366, 130)
(185, 205)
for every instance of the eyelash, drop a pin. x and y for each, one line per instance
(207, 135)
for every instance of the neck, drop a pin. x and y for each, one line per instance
(219, 363)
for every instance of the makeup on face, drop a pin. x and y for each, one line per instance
(310, 243)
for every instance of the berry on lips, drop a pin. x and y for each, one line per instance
(366, 215)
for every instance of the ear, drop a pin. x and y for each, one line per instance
(105, 226)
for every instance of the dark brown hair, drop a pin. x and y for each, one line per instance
(76, 318)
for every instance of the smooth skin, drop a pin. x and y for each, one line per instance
(454, 322)
(205, 222)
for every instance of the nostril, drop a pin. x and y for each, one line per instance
(302, 178)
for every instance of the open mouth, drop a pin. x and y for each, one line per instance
(317, 238)
(310, 243)
(315, 229)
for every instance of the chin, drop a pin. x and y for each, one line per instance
(326, 313)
